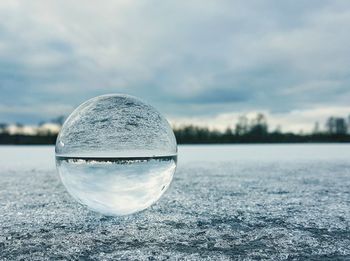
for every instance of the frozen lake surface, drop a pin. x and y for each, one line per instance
(226, 202)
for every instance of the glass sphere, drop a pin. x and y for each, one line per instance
(116, 154)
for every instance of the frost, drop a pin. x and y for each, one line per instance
(214, 210)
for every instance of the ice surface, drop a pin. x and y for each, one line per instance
(226, 202)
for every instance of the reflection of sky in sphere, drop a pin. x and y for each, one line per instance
(116, 187)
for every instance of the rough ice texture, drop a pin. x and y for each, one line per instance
(116, 126)
(256, 202)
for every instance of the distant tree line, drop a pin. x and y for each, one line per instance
(246, 130)
(21, 139)
(257, 131)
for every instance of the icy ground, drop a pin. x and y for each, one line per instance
(225, 202)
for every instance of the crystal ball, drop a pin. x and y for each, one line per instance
(116, 154)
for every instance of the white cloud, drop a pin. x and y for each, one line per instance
(293, 121)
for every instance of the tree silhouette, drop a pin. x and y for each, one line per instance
(336, 126)
(254, 131)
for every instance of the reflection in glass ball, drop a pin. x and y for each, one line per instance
(116, 155)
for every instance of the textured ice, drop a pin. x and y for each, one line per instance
(116, 126)
(226, 202)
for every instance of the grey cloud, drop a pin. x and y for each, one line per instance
(185, 57)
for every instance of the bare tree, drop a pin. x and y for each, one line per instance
(242, 126)
(336, 126)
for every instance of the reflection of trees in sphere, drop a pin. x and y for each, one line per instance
(116, 154)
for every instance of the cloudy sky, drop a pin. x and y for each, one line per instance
(204, 62)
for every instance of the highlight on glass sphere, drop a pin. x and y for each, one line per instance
(116, 154)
